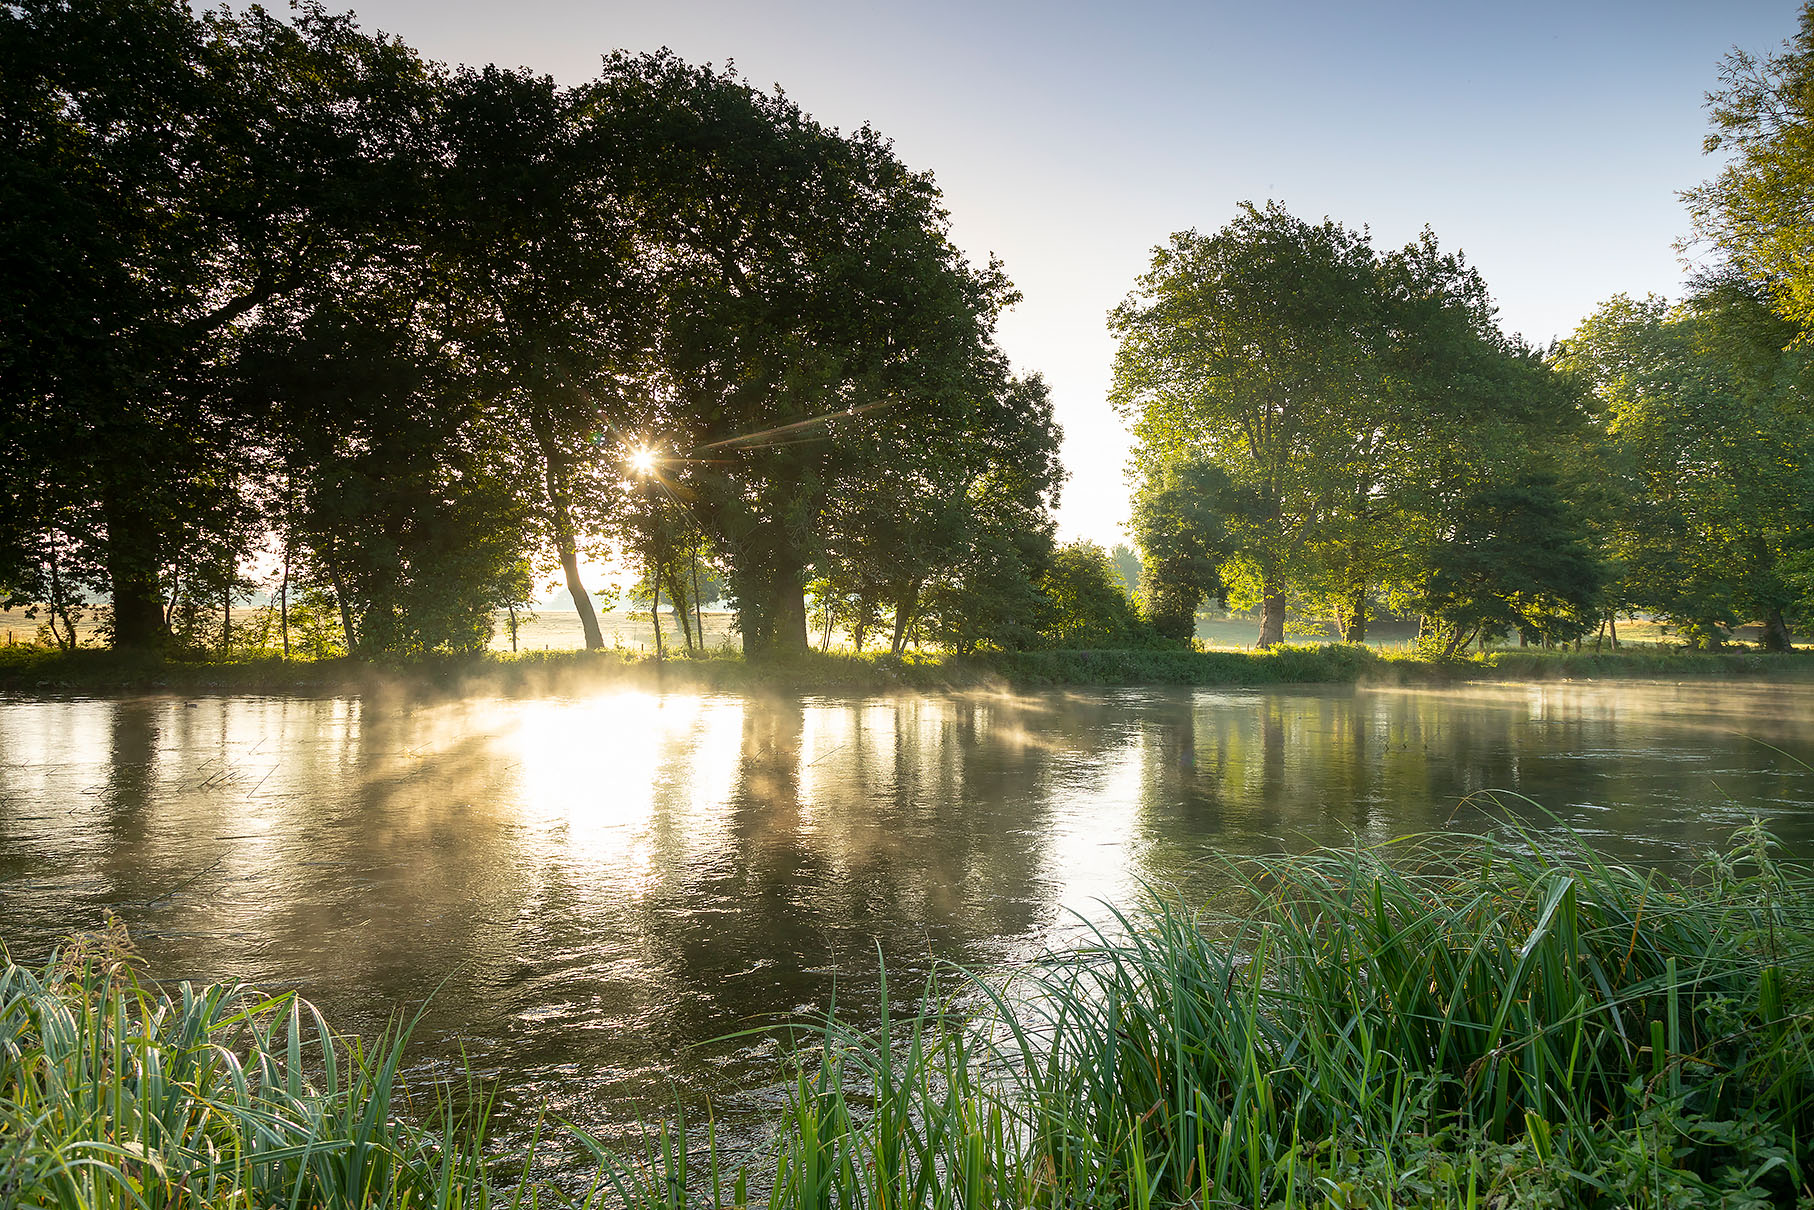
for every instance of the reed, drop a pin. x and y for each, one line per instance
(113, 1094)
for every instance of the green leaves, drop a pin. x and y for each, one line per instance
(1183, 510)
(1756, 210)
(1520, 560)
(1352, 400)
(1704, 475)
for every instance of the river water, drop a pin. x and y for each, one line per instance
(590, 892)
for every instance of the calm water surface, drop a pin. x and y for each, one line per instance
(588, 890)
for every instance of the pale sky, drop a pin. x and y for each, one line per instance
(1547, 140)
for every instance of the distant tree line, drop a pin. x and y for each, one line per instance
(284, 294)
(1334, 429)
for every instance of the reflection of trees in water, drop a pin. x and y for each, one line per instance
(51, 852)
(1288, 770)
(884, 834)
(131, 770)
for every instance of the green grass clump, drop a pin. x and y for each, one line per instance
(114, 1095)
(1432, 1023)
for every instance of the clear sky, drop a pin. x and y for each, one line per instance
(1546, 140)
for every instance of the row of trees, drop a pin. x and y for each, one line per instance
(281, 296)
(1322, 426)
(285, 290)
(1333, 428)
(1330, 428)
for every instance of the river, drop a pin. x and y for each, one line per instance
(586, 892)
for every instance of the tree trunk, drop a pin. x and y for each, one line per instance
(138, 608)
(698, 617)
(1272, 617)
(1612, 630)
(560, 518)
(903, 616)
(582, 604)
(1776, 632)
(678, 600)
(774, 622)
(754, 612)
(59, 607)
(790, 614)
(283, 601)
(1357, 618)
(655, 612)
(347, 629)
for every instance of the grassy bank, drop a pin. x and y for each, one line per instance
(1428, 1025)
(38, 670)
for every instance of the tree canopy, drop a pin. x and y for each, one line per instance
(1337, 407)
(1755, 211)
(287, 285)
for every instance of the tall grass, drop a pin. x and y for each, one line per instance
(116, 1095)
(1434, 1023)
(1434, 1019)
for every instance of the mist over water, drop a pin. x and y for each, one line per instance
(587, 891)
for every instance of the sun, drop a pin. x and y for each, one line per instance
(642, 460)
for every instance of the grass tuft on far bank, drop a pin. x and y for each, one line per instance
(1443, 1023)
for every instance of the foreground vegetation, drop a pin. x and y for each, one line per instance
(1431, 1024)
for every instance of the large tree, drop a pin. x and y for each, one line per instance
(221, 217)
(817, 318)
(950, 497)
(553, 291)
(1181, 515)
(397, 506)
(1259, 347)
(1708, 422)
(165, 176)
(1354, 401)
(1519, 559)
(1758, 211)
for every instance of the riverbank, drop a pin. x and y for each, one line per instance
(1440, 1023)
(43, 671)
